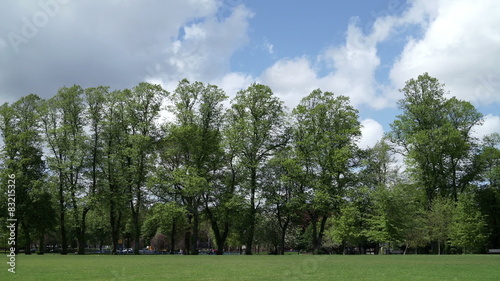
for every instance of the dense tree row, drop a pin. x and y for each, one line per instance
(184, 170)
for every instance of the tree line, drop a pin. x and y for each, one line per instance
(190, 170)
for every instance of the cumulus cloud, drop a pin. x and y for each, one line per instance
(291, 79)
(204, 52)
(350, 72)
(114, 43)
(455, 41)
(459, 46)
(490, 125)
(234, 82)
(371, 132)
(120, 43)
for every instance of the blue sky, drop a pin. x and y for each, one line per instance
(365, 50)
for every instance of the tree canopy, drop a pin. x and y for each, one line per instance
(190, 171)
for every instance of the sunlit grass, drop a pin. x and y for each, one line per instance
(259, 267)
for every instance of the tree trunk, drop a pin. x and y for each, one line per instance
(27, 238)
(318, 235)
(315, 232)
(220, 238)
(81, 234)
(172, 237)
(282, 242)
(41, 245)
(62, 217)
(196, 227)
(187, 236)
(115, 226)
(136, 226)
(251, 229)
(322, 230)
(252, 213)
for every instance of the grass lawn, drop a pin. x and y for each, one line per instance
(290, 267)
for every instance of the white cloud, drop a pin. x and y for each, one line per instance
(204, 52)
(350, 72)
(291, 79)
(459, 47)
(354, 67)
(491, 125)
(118, 43)
(350, 69)
(233, 82)
(268, 46)
(371, 133)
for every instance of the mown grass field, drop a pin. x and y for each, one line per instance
(260, 267)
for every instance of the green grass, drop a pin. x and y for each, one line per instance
(290, 267)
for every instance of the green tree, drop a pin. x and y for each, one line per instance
(378, 170)
(22, 156)
(488, 195)
(325, 136)
(167, 219)
(192, 155)
(397, 217)
(63, 125)
(143, 104)
(436, 136)
(256, 120)
(91, 146)
(114, 166)
(468, 227)
(439, 219)
(283, 190)
(347, 227)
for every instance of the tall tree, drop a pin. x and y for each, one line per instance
(143, 105)
(167, 219)
(114, 165)
(436, 136)
(22, 156)
(256, 124)
(193, 155)
(468, 227)
(95, 103)
(397, 216)
(283, 190)
(489, 192)
(439, 219)
(327, 128)
(63, 124)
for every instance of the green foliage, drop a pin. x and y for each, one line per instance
(468, 227)
(109, 168)
(346, 227)
(397, 216)
(436, 136)
(439, 220)
(22, 156)
(255, 130)
(326, 129)
(161, 218)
